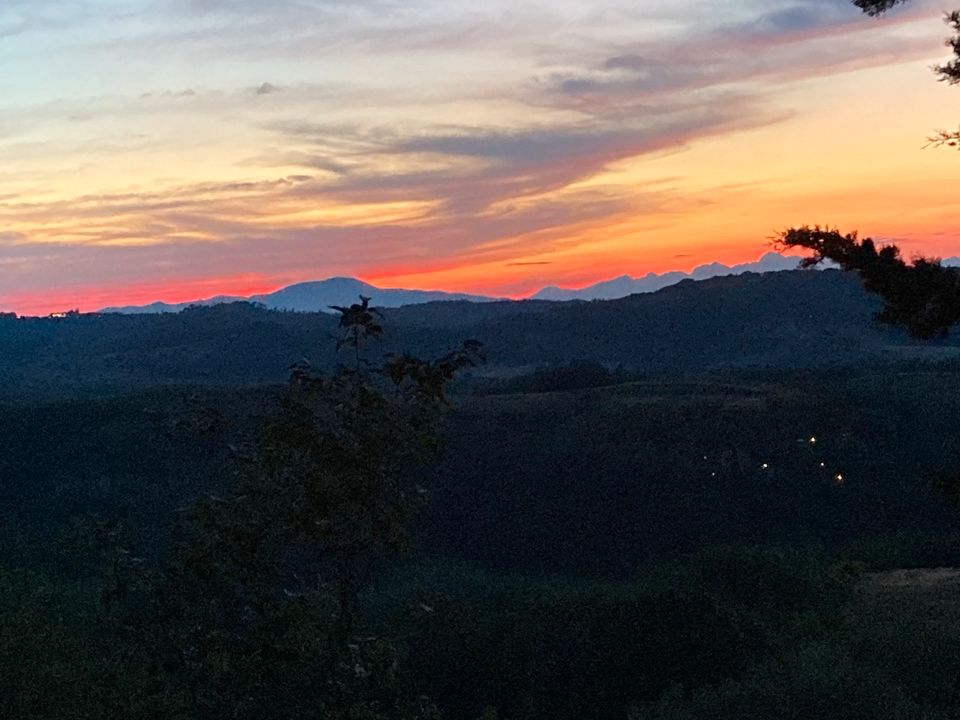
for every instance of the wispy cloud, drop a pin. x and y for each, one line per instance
(200, 138)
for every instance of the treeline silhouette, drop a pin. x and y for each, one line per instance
(605, 526)
(778, 320)
(612, 547)
(921, 296)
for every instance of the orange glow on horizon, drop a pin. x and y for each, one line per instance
(92, 299)
(509, 280)
(499, 209)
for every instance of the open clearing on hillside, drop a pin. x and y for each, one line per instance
(924, 595)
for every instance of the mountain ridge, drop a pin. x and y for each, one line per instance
(625, 285)
(311, 296)
(319, 295)
(776, 320)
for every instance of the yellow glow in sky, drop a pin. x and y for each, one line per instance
(492, 149)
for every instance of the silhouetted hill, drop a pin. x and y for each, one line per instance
(775, 320)
(625, 285)
(311, 297)
(651, 282)
(318, 296)
(594, 481)
(791, 319)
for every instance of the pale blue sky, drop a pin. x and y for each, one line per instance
(179, 145)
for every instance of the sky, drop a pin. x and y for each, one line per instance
(178, 149)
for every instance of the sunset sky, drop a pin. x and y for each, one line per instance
(177, 149)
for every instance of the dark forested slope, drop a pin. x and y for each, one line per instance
(776, 320)
(585, 481)
(571, 522)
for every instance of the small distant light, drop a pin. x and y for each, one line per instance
(713, 474)
(838, 478)
(765, 466)
(823, 465)
(813, 441)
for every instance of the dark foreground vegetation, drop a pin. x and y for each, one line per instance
(695, 504)
(414, 539)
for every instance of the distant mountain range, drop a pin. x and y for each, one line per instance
(318, 296)
(773, 320)
(625, 285)
(651, 282)
(315, 296)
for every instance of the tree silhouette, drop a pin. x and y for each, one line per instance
(877, 7)
(948, 72)
(921, 296)
(358, 324)
(255, 613)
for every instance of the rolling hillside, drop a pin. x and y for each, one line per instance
(774, 320)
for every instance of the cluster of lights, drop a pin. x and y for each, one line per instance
(838, 479)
